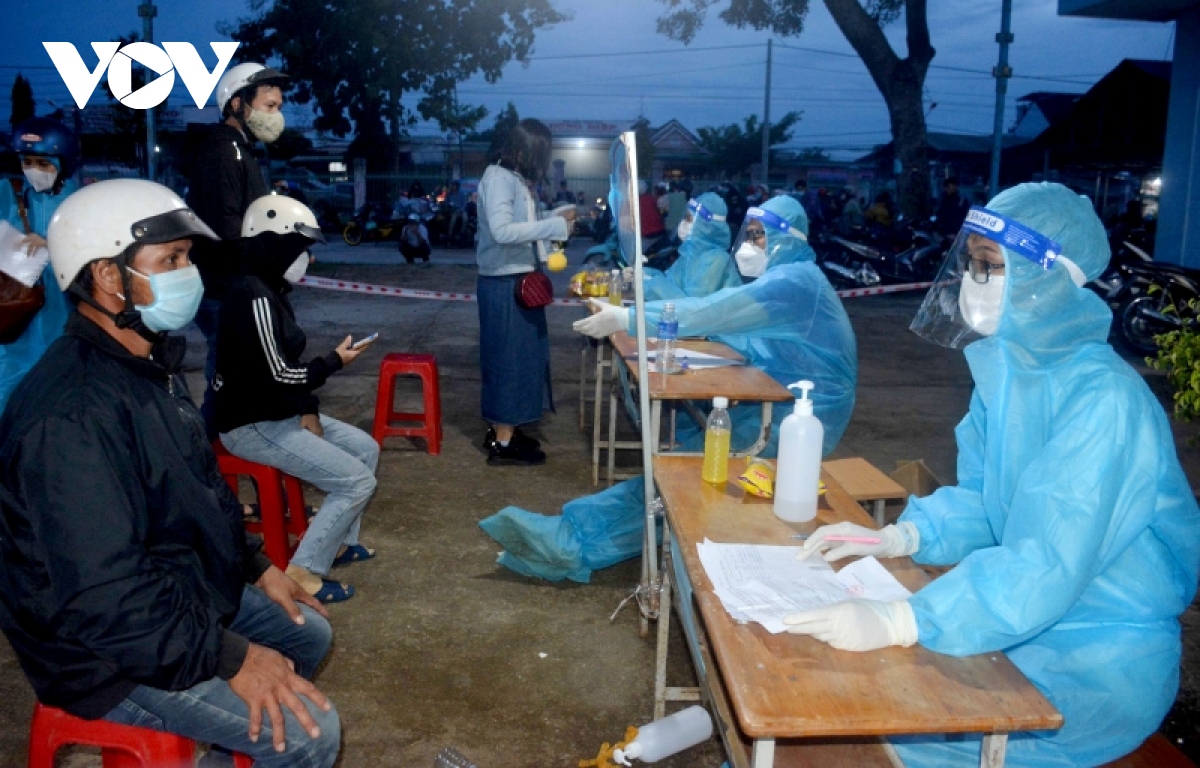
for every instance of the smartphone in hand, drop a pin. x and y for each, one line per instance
(364, 342)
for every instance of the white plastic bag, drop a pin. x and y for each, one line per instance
(15, 262)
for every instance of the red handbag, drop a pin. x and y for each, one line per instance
(534, 290)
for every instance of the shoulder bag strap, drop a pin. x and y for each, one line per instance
(17, 192)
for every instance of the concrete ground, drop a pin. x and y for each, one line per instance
(443, 648)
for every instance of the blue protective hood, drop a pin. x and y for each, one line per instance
(704, 266)
(787, 249)
(1045, 316)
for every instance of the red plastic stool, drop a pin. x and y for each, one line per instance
(425, 366)
(273, 486)
(121, 746)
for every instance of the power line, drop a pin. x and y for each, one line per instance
(655, 52)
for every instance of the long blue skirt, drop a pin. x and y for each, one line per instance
(514, 355)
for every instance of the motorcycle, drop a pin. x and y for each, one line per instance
(450, 227)
(1151, 298)
(369, 225)
(910, 254)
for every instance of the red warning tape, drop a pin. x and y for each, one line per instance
(352, 286)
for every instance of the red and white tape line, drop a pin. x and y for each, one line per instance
(352, 286)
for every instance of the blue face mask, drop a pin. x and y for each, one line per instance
(177, 296)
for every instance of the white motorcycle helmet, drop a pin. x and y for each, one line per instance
(282, 214)
(103, 219)
(244, 76)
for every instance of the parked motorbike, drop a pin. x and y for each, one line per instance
(370, 225)
(906, 254)
(450, 227)
(1150, 298)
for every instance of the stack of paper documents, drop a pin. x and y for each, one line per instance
(764, 584)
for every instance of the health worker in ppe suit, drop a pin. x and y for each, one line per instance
(1073, 531)
(703, 266)
(788, 322)
(49, 157)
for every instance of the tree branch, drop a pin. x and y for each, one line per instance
(920, 49)
(867, 39)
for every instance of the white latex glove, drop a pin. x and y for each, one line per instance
(605, 322)
(894, 541)
(858, 625)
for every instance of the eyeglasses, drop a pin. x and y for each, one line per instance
(981, 270)
(756, 234)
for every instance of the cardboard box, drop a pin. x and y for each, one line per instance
(916, 478)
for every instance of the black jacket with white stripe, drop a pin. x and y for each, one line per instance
(260, 376)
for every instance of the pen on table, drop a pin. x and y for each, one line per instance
(850, 539)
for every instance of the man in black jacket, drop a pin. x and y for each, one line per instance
(128, 588)
(223, 179)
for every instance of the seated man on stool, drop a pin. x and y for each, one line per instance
(128, 588)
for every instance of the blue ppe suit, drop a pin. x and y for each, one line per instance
(1074, 532)
(18, 357)
(704, 265)
(788, 322)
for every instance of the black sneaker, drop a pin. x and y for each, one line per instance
(514, 454)
(519, 438)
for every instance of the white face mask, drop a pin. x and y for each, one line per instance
(40, 180)
(980, 304)
(751, 260)
(297, 269)
(684, 229)
(266, 126)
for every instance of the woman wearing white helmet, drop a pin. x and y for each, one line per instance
(267, 409)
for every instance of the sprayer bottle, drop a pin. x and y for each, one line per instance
(663, 738)
(716, 443)
(798, 475)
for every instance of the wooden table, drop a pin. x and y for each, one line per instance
(737, 382)
(794, 687)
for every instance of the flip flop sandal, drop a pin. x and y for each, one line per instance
(333, 592)
(354, 554)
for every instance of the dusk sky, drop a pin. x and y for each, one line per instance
(717, 79)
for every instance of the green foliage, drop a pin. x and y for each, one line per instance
(22, 101)
(734, 148)
(358, 58)
(1179, 355)
(505, 121)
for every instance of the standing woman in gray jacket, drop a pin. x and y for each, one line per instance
(514, 347)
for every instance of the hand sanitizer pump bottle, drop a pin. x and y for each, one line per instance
(798, 474)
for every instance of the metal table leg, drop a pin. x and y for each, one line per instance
(764, 753)
(583, 366)
(597, 410)
(992, 754)
(664, 629)
(880, 507)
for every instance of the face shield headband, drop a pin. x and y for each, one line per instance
(751, 251)
(697, 211)
(967, 296)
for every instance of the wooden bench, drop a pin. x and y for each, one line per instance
(865, 484)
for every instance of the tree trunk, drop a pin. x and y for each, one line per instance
(901, 82)
(394, 128)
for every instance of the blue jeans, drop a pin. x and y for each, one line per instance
(212, 713)
(342, 464)
(206, 320)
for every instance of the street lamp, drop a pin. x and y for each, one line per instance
(148, 11)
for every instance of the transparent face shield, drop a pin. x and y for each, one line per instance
(967, 298)
(695, 210)
(762, 234)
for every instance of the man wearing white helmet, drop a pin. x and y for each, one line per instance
(224, 178)
(128, 587)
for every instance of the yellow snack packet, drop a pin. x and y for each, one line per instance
(758, 479)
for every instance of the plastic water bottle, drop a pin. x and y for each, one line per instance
(663, 738)
(616, 285)
(798, 476)
(668, 330)
(716, 443)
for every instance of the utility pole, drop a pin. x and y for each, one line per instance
(147, 11)
(766, 127)
(1001, 72)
